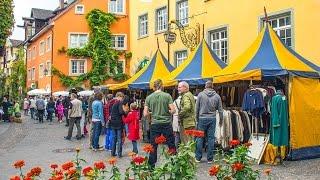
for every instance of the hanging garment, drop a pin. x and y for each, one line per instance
(229, 133)
(232, 91)
(234, 125)
(253, 102)
(246, 127)
(272, 152)
(222, 134)
(279, 121)
(239, 126)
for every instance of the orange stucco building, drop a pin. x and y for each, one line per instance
(65, 28)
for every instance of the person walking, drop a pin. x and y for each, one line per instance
(159, 105)
(40, 104)
(84, 115)
(32, 107)
(186, 111)
(50, 109)
(17, 109)
(119, 109)
(132, 119)
(208, 102)
(97, 120)
(60, 110)
(26, 106)
(6, 105)
(107, 116)
(175, 122)
(66, 107)
(75, 117)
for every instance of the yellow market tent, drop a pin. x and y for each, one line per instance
(157, 68)
(197, 68)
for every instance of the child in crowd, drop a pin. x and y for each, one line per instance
(60, 111)
(132, 120)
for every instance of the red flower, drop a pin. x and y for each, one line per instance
(138, 160)
(71, 172)
(19, 164)
(15, 178)
(54, 166)
(172, 151)
(213, 171)
(160, 139)
(36, 171)
(112, 161)
(27, 178)
(237, 166)
(148, 148)
(198, 133)
(234, 143)
(86, 170)
(66, 166)
(29, 174)
(59, 177)
(194, 133)
(99, 165)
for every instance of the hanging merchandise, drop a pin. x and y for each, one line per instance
(279, 120)
(253, 102)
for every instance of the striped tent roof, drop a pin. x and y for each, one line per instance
(200, 66)
(157, 68)
(267, 57)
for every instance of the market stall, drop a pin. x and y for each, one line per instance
(270, 77)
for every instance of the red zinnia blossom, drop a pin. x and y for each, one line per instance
(99, 165)
(27, 178)
(138, 159)
(188, 132)
(112, 161)
(172, 151)
(213, 171)
(36, 171)
(237, 166)
(198, 133)
(148, 148)
(71, 172)
(160, 139)
(54, 166)
(86, 170)
(19, 164)
(30, 174)
(234, 142)
(15, 178)
(67, 165)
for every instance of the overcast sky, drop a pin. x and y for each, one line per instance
(23, 9)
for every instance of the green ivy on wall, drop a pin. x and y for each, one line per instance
(6, 20)
(98, 49)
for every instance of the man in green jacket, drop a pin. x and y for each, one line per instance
(186, 111)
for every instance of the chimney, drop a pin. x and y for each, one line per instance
(61, 4)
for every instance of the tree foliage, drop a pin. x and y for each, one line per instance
(6, 20)
(98, 49)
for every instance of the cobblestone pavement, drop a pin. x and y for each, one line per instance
(39, 145)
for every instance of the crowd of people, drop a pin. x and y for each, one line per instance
(118, 117)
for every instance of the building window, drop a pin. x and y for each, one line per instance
(79, 9)
(48, 67)
(41, 70)
(180, 56)
(161, 19)
(119, 42)
(33, 52)
(143, 25)
(29, 74)
(42, 47)
(282, 25)
(49, 43)
(29, 55)
(33, 74)
(116, 6)
(78, 40)
(77, 67)
(121, 66)
(218, 40)
(183, 12)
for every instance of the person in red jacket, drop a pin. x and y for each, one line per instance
(132, 119)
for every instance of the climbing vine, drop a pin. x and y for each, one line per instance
(7, 20)
(98, 49)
